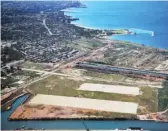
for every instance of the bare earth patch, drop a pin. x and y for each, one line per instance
(85, 103)
(110, 88)
(31, 112)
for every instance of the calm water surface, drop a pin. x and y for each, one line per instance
(152, 16)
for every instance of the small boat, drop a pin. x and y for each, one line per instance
(153, 33)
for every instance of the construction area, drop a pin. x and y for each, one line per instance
(110, 88)
(85, 103)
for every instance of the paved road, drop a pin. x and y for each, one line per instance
(44, 23)
(46, 72)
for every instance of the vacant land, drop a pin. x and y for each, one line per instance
(64, 86)
(163, 67)
(39, 66)
(18, 78)
(31, 112)
(110, 88)
(87, 45)
(125, 54)
(85, 103)
(121, 79)
(162, 96)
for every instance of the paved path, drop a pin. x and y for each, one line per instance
(162, 112)
(44, 23)
(46, 72)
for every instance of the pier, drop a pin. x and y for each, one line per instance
(141, 31)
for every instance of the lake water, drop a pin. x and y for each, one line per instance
(75, 124)
(150, 16)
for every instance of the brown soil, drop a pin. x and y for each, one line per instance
(28, 111)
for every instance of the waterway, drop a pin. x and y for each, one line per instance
(75, 124)
(144, 17)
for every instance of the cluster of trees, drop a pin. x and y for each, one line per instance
(163, 96)
(6, 82)
(8, 54)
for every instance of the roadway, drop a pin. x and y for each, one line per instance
(44, 23)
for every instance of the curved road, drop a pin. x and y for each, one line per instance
(44, 23)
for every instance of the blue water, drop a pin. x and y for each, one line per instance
(74, 124)
(152, 16)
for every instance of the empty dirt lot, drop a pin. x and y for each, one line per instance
(110, 88)
(85, 103)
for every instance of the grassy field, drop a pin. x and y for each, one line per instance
(32, 65)
(86, 44)
(120, 79)
(148, 100)
(126, 54)
(163, 96)
(64, 86)
(116, 77)
(67, 87)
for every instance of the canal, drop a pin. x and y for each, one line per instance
(75, 124)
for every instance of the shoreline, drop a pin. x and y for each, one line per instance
(112, 39)
(130, 43)
(95, 28)
(88, 118)
(85, 118)
(11, 101)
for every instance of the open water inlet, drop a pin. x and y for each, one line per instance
(141, 31)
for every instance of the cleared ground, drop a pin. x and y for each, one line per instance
(85, 103)
(65, 86)
(110, 88)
